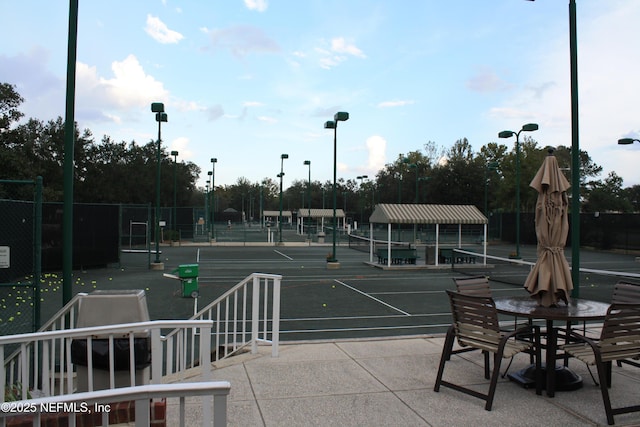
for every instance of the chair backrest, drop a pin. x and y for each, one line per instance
(626, 292)
(475, 320)
(620, 337)
(473, 285)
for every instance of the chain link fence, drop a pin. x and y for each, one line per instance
(20, 260)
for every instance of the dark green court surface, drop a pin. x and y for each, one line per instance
(356, 300)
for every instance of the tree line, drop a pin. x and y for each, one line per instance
(125, 173)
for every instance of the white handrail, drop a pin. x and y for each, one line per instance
(123, 328)
(44, 357)
(142, 395)
(233, 319)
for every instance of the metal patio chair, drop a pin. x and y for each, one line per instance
(619, 340)
(475, 325)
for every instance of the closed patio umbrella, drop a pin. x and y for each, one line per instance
(550, 279)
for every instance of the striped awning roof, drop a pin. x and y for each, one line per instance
(277, 213)
(320, 213)
(427, 214)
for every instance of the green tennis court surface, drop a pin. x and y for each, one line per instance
(356, 300)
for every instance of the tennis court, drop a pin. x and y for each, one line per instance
(354, 301)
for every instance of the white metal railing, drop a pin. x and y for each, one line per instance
(75, 405)
(43, 363)
(66, 317)
(245, 315)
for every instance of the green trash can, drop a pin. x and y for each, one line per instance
(188, 274)
(186, 270)
(190, 287)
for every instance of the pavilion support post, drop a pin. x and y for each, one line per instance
(484, 239)
(437, 243)
(371, 242)
(389, 245)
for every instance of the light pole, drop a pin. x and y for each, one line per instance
(308, 163)
(491, 166)
(400, 176)
(175, 187)
(161, 116)
(529, 127)
(207, 217)
(627, 141)
(280, 175)
(340, 116)
(423, 179)
(575, 151)
(361, 178)
(213, 200)
(415, 166)
(206, 205)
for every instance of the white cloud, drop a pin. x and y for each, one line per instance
(259, 5)
(338, 51)
(339, 45)
(181, 145)
(182, 105)
(252, 104)
(242, 40)
(388, 104)
(130, 87)
(377, 148)
(159, 31)
(487, 81)
(267, 119)
(215, 112)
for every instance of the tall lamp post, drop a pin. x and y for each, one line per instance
(415, 166)
(280, 175)
(213, 200)
(206, 205)
(529, 127)
(491, 166)
(422, 179)
(161, 116)
(575, 151)
(207, 216)
(308, 163)
(341, 116)
(361, 178)
(175, 190)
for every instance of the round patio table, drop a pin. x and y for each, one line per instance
(561, 378)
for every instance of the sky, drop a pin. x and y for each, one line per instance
(245, 81)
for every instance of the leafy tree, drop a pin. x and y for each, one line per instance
(608, 196)
(10, 100)
(632, 194)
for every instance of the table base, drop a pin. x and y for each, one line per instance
(566, 379)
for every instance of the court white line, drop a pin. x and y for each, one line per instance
(373, 298)
(280, 253)
(198, 255)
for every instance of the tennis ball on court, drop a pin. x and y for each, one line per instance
(324, 305)
(333, 286)
(147, 289)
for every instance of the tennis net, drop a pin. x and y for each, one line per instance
(362, 244)
(515, 271)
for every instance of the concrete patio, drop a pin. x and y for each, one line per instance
(389, 382)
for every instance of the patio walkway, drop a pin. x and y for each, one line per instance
(389, 382)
